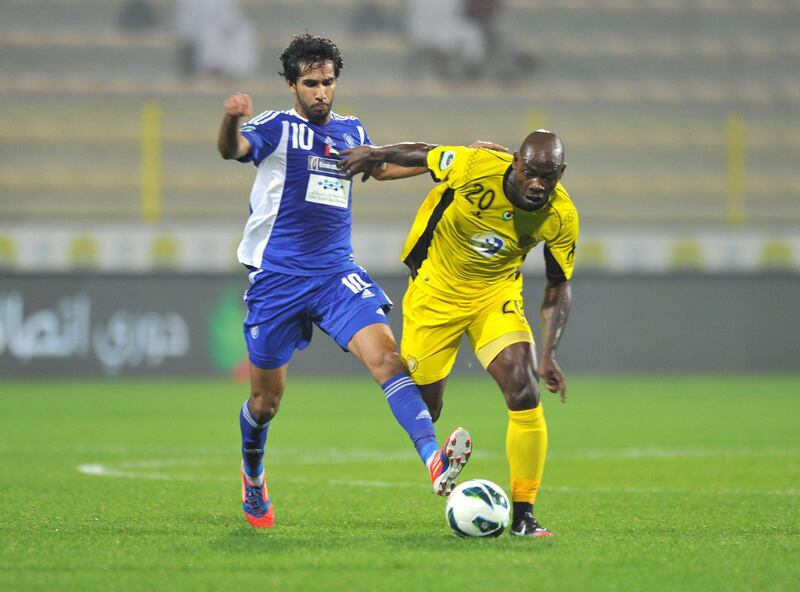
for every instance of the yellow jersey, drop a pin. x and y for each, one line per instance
(468, 240)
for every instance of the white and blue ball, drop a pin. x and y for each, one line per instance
(477, 508)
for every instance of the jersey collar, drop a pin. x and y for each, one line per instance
(294, 112)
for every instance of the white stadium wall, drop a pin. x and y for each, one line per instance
(208, 247)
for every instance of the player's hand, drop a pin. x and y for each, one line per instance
(553, 377)
(357, 160)
(239, 105)
(488, 145)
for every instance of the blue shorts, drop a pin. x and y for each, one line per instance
(283, 309)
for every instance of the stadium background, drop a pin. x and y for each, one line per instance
(118, 219)
(674, 465)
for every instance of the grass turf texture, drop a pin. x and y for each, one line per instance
(652, 484)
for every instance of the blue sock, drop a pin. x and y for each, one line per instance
(254, 437)
(410, 410)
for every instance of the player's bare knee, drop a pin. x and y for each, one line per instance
(524, 397)
(264, 406)
(384, 365)
(394, 363)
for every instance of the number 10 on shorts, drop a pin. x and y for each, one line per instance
(355, 283)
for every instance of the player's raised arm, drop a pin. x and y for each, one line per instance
(554, 314)
(230, 143)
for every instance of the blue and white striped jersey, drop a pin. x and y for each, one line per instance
(300, 205)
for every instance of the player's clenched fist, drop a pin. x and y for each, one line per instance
(239, 105)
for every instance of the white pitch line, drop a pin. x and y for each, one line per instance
(279, 455)
(293, 456)
(101, 470)
(148, 468)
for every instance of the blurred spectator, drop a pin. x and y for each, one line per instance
(138, 15)
(483, 13)
(216, 39)
(442, 33)
(503, 61)
(370, 17)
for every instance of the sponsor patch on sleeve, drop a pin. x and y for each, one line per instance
(446, 160)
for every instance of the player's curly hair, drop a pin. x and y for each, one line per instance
(309, 50)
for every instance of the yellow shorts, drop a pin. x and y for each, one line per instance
(432, 330)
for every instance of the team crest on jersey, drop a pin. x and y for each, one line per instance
(254, 331)
(508, 215)
(487, 244)
(350, 141)
(411, 363)
(446, 160)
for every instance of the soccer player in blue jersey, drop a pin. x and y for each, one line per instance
(297, 248)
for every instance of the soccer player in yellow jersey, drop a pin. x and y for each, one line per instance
(465, 250)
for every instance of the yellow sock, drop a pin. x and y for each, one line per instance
(526, 449)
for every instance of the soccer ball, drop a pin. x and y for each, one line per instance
(477, 508)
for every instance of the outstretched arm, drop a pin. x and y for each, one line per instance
(367, 160)
(395, 161)
(555, 311)
(389, 172)
(230, 143)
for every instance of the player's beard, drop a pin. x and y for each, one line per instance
(318, 114)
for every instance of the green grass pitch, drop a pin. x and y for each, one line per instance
(652, 483)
